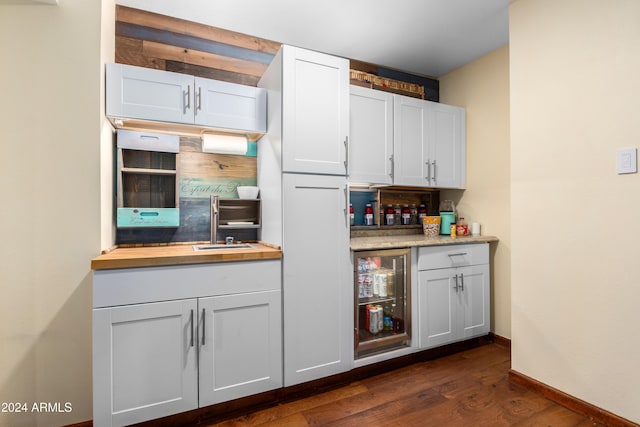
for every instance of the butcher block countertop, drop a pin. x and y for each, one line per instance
(179, 254)
(405, 241)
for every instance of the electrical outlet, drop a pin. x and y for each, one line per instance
(626, 161)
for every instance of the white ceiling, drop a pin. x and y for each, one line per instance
(428, 37)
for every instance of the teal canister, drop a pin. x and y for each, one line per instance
(446, 219)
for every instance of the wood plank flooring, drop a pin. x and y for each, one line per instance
(470, 388)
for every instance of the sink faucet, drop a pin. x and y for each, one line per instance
(214, 214)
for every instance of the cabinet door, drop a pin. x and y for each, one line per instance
(148, 94)
(371, 134)
(230, 106)
(315, 115)
(410, 142)
(474, 300)
(240, 345)
(144, 362)
(438, 307)
(317, 278)
(447, 144)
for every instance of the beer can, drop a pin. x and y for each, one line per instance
(368, 286)
(381, 279)
(375, 315)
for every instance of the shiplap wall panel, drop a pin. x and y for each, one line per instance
(156, 41)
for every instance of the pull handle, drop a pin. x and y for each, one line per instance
(462, 282)
(434, 172)
(200, 98)
(148, 137)
(346, 155)
(428, 177)
(456, 286)
(188, 97)
(204, 320)
(191, 321)
(346, 208)
(457, 254)
(392, 167)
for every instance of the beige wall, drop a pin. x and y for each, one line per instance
(575, 95)
(50, 215)
(482, 87)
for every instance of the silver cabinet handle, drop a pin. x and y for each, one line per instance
(191, 321)
(346, 208)
(428, 177)
(188, 97)
(457, 254)
(200, 98)
(434, 172)
(392, 167)
(204, 320)
(346, 154)
(456, 286)
(462, 282)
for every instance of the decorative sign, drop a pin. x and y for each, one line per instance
(196, 187)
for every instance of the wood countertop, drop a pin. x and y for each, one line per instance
(180, 254)
(405, 241)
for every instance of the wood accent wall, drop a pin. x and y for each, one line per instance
(151, 40)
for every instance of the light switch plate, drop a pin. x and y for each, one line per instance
(627, 160)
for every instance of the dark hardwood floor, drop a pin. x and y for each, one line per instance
(470, 388)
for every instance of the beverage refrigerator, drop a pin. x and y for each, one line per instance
(382, 298)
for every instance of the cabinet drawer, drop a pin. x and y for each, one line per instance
(434, 257)
(150, 284)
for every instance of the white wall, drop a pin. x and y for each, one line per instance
(482, 87)
(575, 98)
(50, 116)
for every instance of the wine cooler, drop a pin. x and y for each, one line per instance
(382, 301)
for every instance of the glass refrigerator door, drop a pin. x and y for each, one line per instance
(382, 312)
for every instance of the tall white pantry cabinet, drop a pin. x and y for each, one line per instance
(302, 168)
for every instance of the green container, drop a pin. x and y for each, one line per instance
(446, 219)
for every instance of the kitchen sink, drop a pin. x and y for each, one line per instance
(221, 246)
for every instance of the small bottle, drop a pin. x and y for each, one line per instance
(368, 214)
(352, 216)
(463, 228)
(422, 212)
(386, 319)
(389, 215)
(406, 215)
(396, 320)
(414, 214)
(391, 283)
(397, 214)
(453, 227)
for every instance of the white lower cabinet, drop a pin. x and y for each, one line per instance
(318, 298)
(144, 365)
(240, 352)
(453, 294)
(155, 359)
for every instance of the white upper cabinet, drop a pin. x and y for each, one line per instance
(315, 111)
(230, 106)
(410, 142)
(155, 95)
(447, 145)
(148, 94)
(371, 134)
(429, 144)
